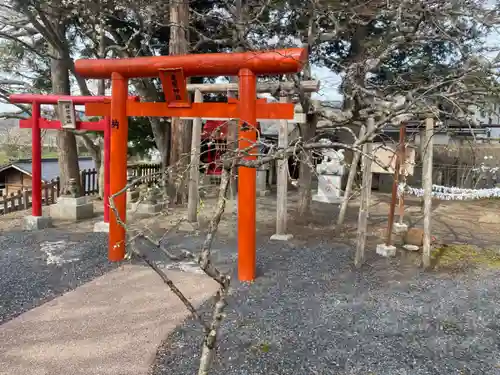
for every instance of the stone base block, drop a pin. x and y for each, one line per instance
(399, 228)
(32, 223)
(101, 226)
(327, 199)
(146, 208)
(132, 196)
(186, 226)
(68, 208)
(263, 193)
(386, 250)
(281, 237)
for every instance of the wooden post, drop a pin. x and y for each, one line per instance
(427, 186)
(232, 146)
(194, 168)
(51, 192)
(365, 197)
(46, 194)
(282, 193)
(83, 178)
(26, 199)
(395, 183)
(350, 180)
(401, 209)
(19, 201)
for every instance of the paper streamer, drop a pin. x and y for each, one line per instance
(448, 193)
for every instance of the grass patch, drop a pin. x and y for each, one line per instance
(462, 256)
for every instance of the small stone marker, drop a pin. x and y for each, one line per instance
(386, 250)
(411, 247)
(330, 172)
(399, 228)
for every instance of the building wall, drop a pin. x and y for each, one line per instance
(14, 181)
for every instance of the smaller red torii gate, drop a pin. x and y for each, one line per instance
(173, 72)
(36, 123)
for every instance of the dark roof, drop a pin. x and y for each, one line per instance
(50, 166)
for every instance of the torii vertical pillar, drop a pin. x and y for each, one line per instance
(247, 176)
(36, 221)
(118, 180)
(36, 162)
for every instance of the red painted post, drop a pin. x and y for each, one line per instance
(107, 174)
(247, 177)
(118, 180)
(36, 163)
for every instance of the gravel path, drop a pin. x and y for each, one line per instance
(310, 313)
(39, 266)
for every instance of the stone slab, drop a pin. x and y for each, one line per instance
(101, 226)
(411, 247)
(32, 223)
(386, 250)
(112, 325)
(281, 237)
(146, 208)
(326, 199)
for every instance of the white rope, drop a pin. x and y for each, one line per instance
(448, 193)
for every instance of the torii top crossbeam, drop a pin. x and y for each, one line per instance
(281, 61)
(54, 99)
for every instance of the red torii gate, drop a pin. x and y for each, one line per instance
(173, 71)
(36, 123)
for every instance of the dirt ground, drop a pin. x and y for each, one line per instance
(312, 311)
(474, 223)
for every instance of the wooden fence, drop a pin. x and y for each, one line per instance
(22, 200)
(90, 181)
(139, 170)
(90, 178)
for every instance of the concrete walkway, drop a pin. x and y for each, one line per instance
(111, 325)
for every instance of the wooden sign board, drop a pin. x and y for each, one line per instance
(174, 87)
(67, 114)
(385, 155)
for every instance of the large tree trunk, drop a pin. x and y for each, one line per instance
(180, 140)
(161, 132)
(66, 141)
(308, 131)
(101, 91)
(159, 127)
